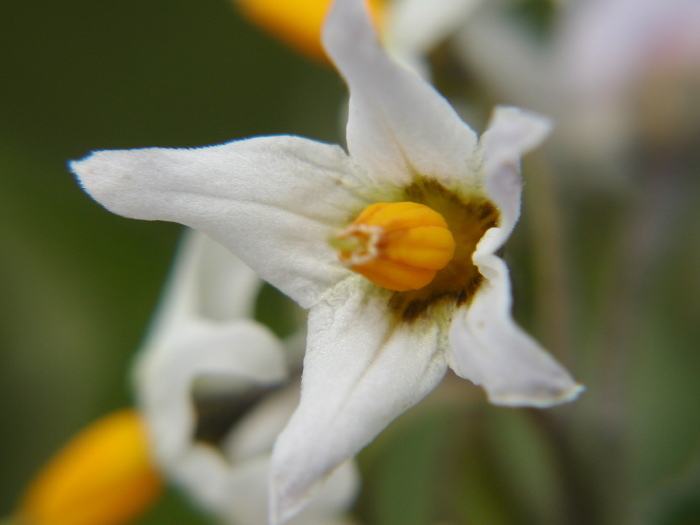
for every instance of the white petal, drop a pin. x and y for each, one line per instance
(207, 282)
(519, 70)
(398, 124)
(257, 431)
(272, 200)
(415, 27)
(491, 350)
(204, 474)
(242, 496)
(606, 46)
(361, 371)
(506, 58)
(241, 353)
(511, 133)
(232, 482)
(227, 287)
(235, 486)
(253, 438)
(333, 498)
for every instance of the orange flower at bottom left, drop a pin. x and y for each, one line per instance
(103, 476)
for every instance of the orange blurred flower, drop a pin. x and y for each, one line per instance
(103, 476)
(298, 23)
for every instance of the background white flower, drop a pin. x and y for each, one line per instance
(602, 65)
(203, 349)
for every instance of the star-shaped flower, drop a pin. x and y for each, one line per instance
(392, 248)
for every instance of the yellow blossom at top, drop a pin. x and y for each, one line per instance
(103, 476)
(298, 23)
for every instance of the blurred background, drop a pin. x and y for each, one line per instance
(616, 299)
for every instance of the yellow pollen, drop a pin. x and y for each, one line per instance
(103, 476)
(396, 245)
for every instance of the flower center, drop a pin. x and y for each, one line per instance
(399, 245)
(420, 248)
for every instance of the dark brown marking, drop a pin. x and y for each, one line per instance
(216, 416)
(458, 282)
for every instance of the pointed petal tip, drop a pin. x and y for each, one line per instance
(283, 507)
(288, 497)
(79, 167)
(529, 129)
(542, 400)
(96, 175)
(73, 167)
(325, 500)
(516, 112)
(76, 167)
(82, 172)
(347, 21)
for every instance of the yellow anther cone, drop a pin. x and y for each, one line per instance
(103, 476)
(297, 23)
(398, 245)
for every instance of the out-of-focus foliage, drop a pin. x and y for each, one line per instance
(79, 284)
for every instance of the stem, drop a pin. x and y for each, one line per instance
(581, 500)
(554, 310)
(551, 274)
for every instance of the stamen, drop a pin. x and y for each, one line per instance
(398, 245)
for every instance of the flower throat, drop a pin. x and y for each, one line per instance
(421, 248)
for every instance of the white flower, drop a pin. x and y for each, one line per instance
(605, 63)
(289, 207)
(609, 46)
(203, 349)
(414, 28)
